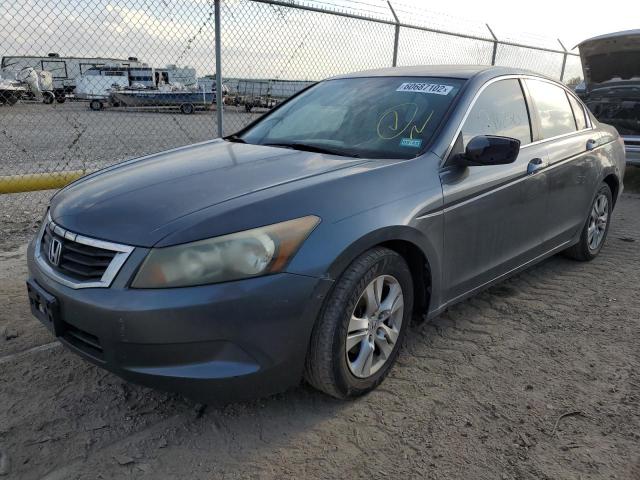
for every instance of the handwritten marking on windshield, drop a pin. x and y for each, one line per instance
(417, 130)
(388, 126)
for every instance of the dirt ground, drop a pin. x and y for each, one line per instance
(536, 378)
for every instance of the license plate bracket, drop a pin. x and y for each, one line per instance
(44, 306)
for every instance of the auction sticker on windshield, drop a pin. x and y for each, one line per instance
(425, 88)
(411, 142)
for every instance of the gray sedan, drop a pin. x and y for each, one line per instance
(303, 245)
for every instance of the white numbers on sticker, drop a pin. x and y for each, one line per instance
(425, 88)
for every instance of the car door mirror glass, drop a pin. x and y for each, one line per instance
(491, 150)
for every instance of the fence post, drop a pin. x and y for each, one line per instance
(495, 45)
(564, 60)
(219, 95)
(397, 37)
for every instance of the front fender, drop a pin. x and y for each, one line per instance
(329, 250)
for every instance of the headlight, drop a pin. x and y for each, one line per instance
(230, 257)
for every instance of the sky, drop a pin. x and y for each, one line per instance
(267, 41)
(571, 21)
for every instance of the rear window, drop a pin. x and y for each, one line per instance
(552, 105)
(578, 113)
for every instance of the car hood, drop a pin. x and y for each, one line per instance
(131, 202)
(611, 57)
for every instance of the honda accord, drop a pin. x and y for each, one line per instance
(303, 245)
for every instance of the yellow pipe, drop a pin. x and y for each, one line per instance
(31, 182)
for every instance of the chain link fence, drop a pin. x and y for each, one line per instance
(88, 83)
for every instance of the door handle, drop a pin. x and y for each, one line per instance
(535, 165)
(591, 144)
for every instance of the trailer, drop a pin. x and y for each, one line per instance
(98, 83)
(64, 70)
(263, 93)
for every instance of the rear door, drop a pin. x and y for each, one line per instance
(572, 173)
(493, 214)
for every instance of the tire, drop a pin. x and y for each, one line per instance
(10, 99)
(61, 99)
(331, 367)
(96, 105)
(187, 108)
(47, 98)
(587, 249)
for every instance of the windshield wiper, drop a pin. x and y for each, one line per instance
(305, 147)
(235, 138)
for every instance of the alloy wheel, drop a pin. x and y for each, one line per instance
(374, 326)
(598, 221)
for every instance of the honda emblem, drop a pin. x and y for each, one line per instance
(55, 249)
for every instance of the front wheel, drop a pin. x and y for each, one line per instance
(596, 227)
(361, 327)
(187, 108)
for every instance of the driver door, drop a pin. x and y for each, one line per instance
(494, 215)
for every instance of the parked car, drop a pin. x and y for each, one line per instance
(611, 65)
(303, 245)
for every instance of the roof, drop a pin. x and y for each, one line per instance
(610, 36)
(448, 71)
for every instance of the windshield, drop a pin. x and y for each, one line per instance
(375, 117)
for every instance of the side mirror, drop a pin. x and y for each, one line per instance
(491, 150)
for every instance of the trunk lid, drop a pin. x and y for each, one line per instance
(611, 65)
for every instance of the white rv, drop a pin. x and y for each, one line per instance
(63, 69)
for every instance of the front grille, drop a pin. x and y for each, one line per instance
(77, 260)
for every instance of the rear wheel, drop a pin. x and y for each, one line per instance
(48, 98)
(596, 227)
(358, 335)
(96, 105)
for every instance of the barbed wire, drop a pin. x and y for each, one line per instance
(210, 16)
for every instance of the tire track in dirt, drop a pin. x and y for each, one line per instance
(476, 394)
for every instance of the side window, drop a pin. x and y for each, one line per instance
(499, 110)
(578, 113)
(552, 105)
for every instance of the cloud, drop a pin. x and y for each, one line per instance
(259, 40)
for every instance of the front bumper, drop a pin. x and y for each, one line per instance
(215, 343)
(632, 149)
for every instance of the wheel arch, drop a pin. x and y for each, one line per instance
(611, 179)
(408, 243)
